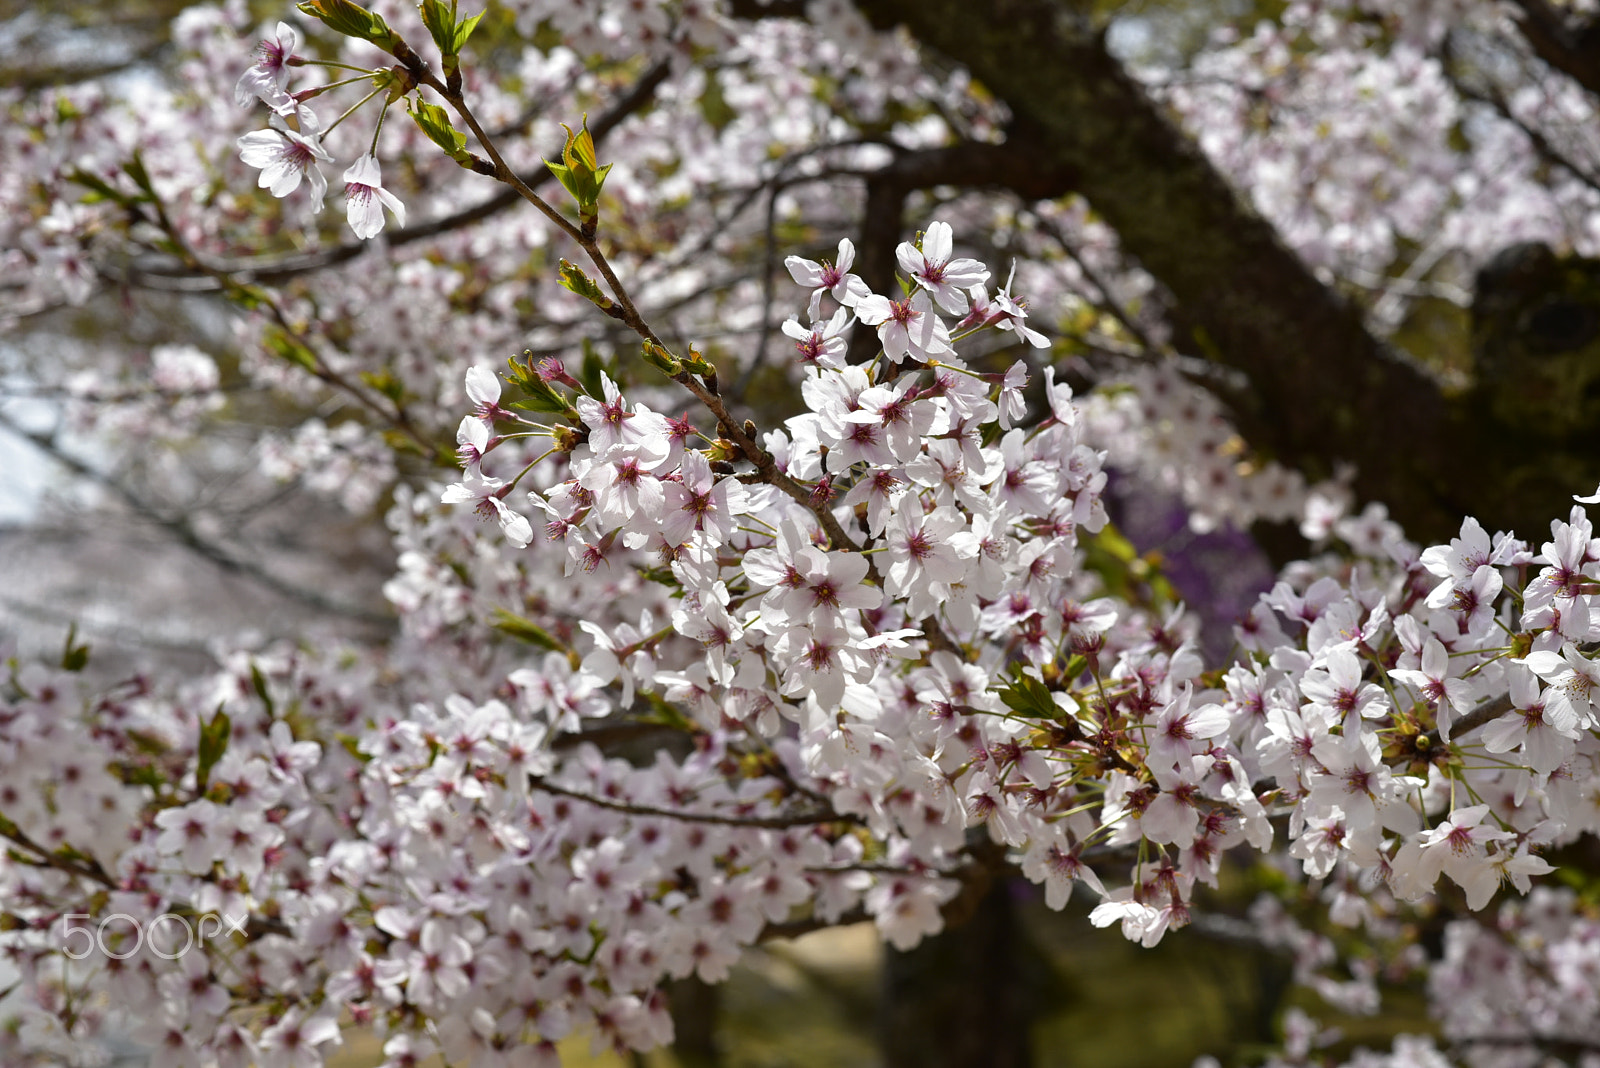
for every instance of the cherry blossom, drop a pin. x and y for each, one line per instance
(486, 495)
(833, 278)
(932, 267)
(268, 78)
(907, 328)
(284, 158)
(365, 198)
(868, 624)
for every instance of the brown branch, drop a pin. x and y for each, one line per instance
(1323, 390)
(1107, 299)
(773, 822)
(1478, 717)
(1013, 166)
(1565, 1046)
(1573, 50)
(89, 868)
(1495, 100)
(278, 269)
(796, 928)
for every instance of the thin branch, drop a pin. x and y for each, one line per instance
(397, 419)
(1107, 299)
(85, 868)
(1496, 101)
(185, 533)
(771, 822)
(796, 928)
(277, 269)
(1563, 1045)
(1484, 713)
(137, 637)
(769, 267)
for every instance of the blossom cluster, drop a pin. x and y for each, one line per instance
(879, 644)
(776, 685)
(1317, 111)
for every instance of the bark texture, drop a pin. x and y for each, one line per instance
(1323, 389)
(963, 998)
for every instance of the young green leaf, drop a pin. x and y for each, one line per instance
(213, 744)
(435, 122)
(74, 657)
(509, 623)
(352, 20)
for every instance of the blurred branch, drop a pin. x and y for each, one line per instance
(1495, 100)
(186, 535)
(803, 819)
(1572, 49)
(1107, 298)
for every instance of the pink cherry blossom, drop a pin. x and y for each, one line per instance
(365, 198)
(284, 157)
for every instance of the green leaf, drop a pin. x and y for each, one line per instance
(564, 175)
(397, 80)
(697, 363)
(662, 360)
(352, 745)
(579, 172)
(714, 106)
(579, 151)
(509, 623)
(574, 280)
(661, 576)
(440, 20)
(140, 775)
(287, 347)
(464, 30)
(149, 744)
(72, 854)
(1028, 697)
(99, 188)
(449, 35)
(134, 169)
(259, 682)
(540, 395)
(74, 657)
(352, 20)
(435, 122)
(386, 383)
(213, 744)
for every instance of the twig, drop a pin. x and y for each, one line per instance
(1110, 303)
(282, 268)
(1485, 713)
(185, 533)
(772, 822)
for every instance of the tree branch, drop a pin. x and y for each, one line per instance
(803, 819)
(184, 532)
(281, 268)
(1323, 389)
(1572, 50)
(1013, 166)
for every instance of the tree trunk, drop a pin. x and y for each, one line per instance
(963, 998)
